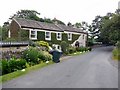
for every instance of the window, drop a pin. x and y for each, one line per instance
(47, 35)
(58, 35)
(33, 34)
(70, 36)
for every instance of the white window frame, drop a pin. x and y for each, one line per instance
(58, 36)
(49, 35)
(69, 35)
(33, 38)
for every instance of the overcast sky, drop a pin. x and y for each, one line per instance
(65, 10)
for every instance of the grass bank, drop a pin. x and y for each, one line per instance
(116, 54)
(18, 73)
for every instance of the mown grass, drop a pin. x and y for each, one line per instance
(76, 53)
(116, 54)
(16, 74)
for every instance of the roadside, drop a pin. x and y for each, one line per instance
(19, 73)
(90, 70)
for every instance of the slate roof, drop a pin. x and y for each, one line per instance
(70, 28)
(25, 23)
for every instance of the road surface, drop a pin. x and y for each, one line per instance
(90, 70)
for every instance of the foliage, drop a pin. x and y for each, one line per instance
(43, 44)
(31, 55)
(118, 44)
(27, 14)
(18, 73)
(82, 49)
(116, 54)
(44, 56)
(71, 50)
(12, 65)
(4, 67)
(41, 37)
(107, 28)
(16, 64)
(78, 25)
(64, 46)
(24, 35)
(4, 32)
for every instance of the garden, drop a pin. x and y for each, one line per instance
(37, 53)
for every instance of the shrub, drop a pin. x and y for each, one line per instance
(71, 50)
(4, 67)
(12, 65)
(44, 56)
(31, 55)
(64, 46)
(81, 49)
(43, 44)
(16, 64)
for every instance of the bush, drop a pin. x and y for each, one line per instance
(43, 44)
(71, 50)
(31, 56)
(64, 46)
(12, 65)
(82, 49)
(4, 67)
(16, 64)
(44, 56)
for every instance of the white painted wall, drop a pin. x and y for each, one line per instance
(81, 40)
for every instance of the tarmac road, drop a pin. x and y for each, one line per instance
(90, 70)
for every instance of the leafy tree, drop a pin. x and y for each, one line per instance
(78, 25)
(27, 14)
(110, 28)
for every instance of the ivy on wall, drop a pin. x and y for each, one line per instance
(24, 35)
(41, 37)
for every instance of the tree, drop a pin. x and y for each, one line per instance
(27, 14)
(78, 25)
(110, 28)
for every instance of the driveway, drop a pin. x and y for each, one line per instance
(90, 70)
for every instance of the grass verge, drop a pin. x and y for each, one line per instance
(116, 54)
(76, 53)
(16, 74)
